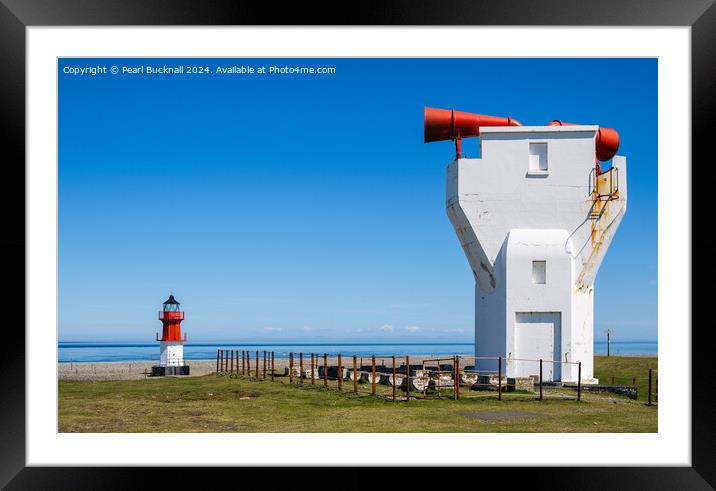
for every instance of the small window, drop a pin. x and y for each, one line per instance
(538, 157)
(539, 272)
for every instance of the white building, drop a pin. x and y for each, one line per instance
(535, 222)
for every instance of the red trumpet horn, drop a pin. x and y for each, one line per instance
(607, 141)
(448, 124)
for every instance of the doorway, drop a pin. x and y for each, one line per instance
(538, 336)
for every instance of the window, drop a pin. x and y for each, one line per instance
(538, 157)
(539, 272)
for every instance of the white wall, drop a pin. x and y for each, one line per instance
(171, 354)
(506, 215)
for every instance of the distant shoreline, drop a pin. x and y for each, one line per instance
(95, 352)
(140, 369)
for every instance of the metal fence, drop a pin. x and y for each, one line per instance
(400, 378)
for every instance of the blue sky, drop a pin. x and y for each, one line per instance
(306, 207)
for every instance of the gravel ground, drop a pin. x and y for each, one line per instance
(134, 370)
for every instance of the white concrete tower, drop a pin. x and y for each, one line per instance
(535, 216)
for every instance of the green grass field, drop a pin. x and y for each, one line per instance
(625, 369)
(222, 403)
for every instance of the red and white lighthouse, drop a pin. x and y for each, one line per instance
(171, 344)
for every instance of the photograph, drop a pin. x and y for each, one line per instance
(357, 245)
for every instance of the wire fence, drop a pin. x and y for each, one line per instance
(401, 378)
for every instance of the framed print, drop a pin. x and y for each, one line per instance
(239, 239)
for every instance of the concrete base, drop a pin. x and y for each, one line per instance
(520, 383)
(625, 390)
(159, 371)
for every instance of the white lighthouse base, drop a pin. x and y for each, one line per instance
(171, 359)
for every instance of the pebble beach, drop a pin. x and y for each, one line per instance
(137, 370)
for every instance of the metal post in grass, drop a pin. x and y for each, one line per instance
(273, 354)
(300, 367)
(649, 390)
(456, 377)
(217, 361)
(579, 382)
(325, 369)
(499, 378)
(264, 365)
(290, 367)
(355, 374)
(540, 379)
(407, 378)
(257, 363)
(372, 382)
(313, 368)
(393, 378)
(340, 373)
(243, 363)
(248, 364)
(231, 354)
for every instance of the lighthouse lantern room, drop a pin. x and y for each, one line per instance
(171, 344)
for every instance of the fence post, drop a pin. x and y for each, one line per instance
(243, 362)
(456, 377)
(248, 363)
(499, 378)
(273, 355)
(300, 367)
(264, 365)
(232, 362)
(223, 360)
(340, 373)
(257, 363)
(217, 361)
(579, 382)
(325, 369)
(407, 378)
(313, 368)
(649, 391)
(290, 367)
(372, 382)
(540, 379)
(355, 374)
(393, 378)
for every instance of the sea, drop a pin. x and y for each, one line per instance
(69, 351)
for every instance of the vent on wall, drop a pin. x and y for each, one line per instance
(539, 272)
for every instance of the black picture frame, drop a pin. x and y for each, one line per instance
(16, 15)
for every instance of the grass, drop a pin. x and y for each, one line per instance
(222, 403)
(624, 369)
